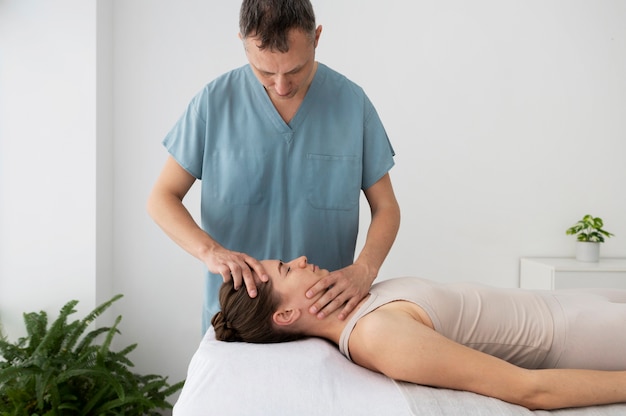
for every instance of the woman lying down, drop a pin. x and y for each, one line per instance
(538, 349)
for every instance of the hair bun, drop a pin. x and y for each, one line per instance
(223, 331)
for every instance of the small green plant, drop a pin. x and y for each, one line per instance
(589, 229)
(60, 370)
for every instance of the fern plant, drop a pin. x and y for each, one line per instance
(61, 370)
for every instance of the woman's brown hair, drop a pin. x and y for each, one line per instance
(246, 319)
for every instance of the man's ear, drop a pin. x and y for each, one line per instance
(285, 317)
(318, 32)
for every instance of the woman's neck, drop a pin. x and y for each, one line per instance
(329, 327)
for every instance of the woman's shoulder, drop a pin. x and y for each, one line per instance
(388, 317)
(370, 335)
(373, 340)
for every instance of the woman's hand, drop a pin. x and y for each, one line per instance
(344, 287)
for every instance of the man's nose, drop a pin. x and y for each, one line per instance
(281, 85)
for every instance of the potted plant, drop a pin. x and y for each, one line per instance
(589, 235)
(61, 370)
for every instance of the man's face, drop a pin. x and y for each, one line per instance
(284, 75)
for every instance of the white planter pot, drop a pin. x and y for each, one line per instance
(586, 251)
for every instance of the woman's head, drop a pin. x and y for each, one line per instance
(246, 319)
(274, 314)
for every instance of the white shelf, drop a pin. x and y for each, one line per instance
(550, 273)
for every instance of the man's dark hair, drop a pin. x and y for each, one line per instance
(271, 20)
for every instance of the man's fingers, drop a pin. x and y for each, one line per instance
(350, 305)
(235, 272)
(330, 307)
(240, 268)
(244, 273)
(248, 280)
(232, 272)
(324, 304)
(258, 269)
(323, 285)
(224, 271)
(341, 288)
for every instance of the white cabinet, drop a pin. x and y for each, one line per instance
(568, 273)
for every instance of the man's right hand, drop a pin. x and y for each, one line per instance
(238, 267)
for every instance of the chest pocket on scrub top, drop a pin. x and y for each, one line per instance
(237, 177)
(334, 182)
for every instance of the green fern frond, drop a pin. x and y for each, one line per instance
(127, 351)
(88, 359)
(11, 353)
(16, 374)
(60, 371)
(171, 389)
(120, 358)
(80, 328)
(89, 338)
(36, 324)
(104, 348)
(52, 340)
(135, 401)
(104, 391)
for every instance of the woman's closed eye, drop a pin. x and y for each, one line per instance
(280, 267)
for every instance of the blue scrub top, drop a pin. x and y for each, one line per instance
(277, 190)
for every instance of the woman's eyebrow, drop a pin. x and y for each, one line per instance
(280, 265)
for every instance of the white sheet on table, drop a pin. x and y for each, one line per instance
(311, 377)
(306, 377)
(428, 401)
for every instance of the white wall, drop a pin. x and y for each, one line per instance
(104, 151)
(47, 157)
(507, 119)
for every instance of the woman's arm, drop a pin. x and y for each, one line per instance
(391, 341)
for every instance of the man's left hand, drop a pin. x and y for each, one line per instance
(344, 287)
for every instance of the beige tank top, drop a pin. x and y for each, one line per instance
(512, 324)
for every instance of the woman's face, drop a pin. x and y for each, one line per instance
(292, 279)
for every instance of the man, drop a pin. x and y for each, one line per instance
(283, 147)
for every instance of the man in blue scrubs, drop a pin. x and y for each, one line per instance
(283, 147)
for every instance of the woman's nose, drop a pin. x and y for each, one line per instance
(302, 262)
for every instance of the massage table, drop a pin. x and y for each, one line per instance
(310, 377)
